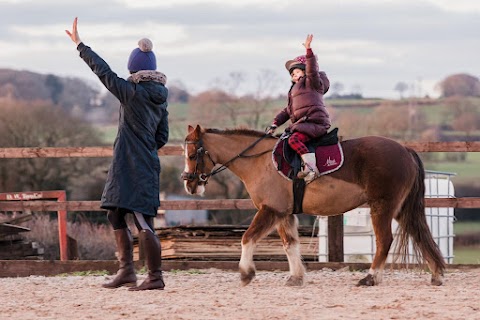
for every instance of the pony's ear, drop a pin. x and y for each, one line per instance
(197, 131)
(194, 133)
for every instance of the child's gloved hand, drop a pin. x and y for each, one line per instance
(308, 41)
(271, 129)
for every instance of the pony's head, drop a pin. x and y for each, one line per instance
(198, 163)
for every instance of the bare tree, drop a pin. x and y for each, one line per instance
(401, 87)
(461, 114)
(390, 121)
(467, 122)
(351, 124)
(177, 92)
(337, 88)
(357, 89)
(224, 102)
(214, 107)
(262, 99)
(40, 125)
(460, 85)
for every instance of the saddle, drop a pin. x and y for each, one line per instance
(327, 148)
(288, 162)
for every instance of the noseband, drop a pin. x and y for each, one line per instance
(199, 172)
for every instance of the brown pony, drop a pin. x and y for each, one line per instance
(377, 171)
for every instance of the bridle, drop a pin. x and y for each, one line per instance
(199, 172)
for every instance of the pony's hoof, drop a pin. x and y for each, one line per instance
(436, 281)
(294, 281)
(368, 281)
(247, 277)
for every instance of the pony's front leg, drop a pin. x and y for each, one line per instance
(263, 223)
(288, 231)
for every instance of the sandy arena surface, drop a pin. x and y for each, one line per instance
(216, 294)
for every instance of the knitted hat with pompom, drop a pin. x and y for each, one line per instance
(142, 58)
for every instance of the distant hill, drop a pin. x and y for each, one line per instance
(72, 94)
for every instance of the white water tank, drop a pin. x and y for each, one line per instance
(359, 238)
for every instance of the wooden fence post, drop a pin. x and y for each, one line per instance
(335, 238)
(62, 228)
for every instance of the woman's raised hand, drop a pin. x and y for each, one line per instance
(74, 34)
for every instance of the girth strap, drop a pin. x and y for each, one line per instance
(298, 193)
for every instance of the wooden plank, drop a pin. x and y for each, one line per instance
(25, 268)
(231, 204)
(74, 152)
(19, 219)
(177, 150)
(6, 228)
(217, 204)
(225, 204)
(453, 146)
(224, 243)
(20, 249)
(21, 268)
(469, 202)
(231, 249)
(32, 195)
(8, 238)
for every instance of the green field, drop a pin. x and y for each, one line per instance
(467, 171)
(108, 132)
(466, 255)
(466, 227)
(178, 110)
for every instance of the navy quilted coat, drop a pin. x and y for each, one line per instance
(134, 174)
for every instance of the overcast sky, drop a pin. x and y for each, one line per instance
(367, 45)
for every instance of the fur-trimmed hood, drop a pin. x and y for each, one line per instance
(148, 75)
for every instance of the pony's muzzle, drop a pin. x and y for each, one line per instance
(187, 176)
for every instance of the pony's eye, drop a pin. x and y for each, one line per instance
(192, 157)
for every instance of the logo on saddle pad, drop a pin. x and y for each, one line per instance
(330, 162)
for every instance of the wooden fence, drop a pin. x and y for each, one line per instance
(99, 152)
(335, 223)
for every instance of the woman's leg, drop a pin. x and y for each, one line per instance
(123, 238)
(153, 253)
(117, 218)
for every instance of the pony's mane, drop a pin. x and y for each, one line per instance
(236, 131)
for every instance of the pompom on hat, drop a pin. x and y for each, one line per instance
(297, 63)
(142, 58)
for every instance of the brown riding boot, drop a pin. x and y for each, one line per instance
(153, 254)
(126, 272)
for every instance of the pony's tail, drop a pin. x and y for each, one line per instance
(413, 223)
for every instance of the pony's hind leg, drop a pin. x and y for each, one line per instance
(382, 226)
(263, 223)
(288, 231)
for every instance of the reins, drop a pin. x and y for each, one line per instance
(240, 155)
